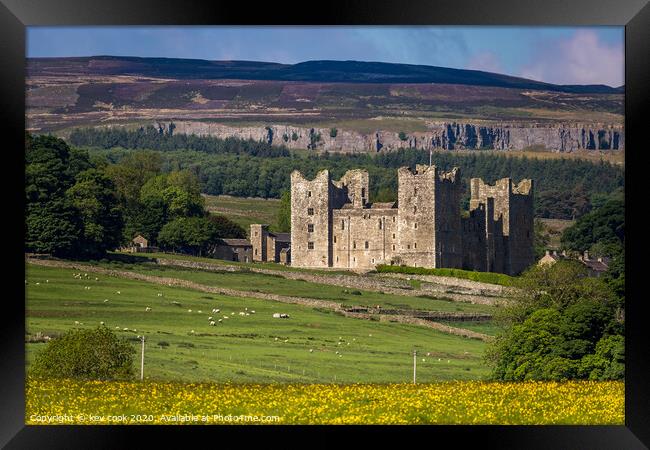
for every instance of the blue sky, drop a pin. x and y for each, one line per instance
(576, 55)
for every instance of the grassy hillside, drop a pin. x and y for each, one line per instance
(244, 211)
(181, 345)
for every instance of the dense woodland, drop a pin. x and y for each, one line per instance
(78, 206)
(564, 188)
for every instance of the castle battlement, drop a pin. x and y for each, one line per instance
(333, 223)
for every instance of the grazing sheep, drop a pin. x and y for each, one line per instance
(147, 309)
(118, 292)
(76, 322)
(199, 311)
(252, 311)
(220, 320)
(189, 310)
(242, 313)
(105, 300)
(212, 323)
(311, 350)
(101, 323)
(210, 318)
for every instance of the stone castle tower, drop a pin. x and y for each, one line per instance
(333, 224)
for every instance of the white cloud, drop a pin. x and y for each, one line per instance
(581, 59)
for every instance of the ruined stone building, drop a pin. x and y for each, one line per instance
(334, 225)
(269, 246)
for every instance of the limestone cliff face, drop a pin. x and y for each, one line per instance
(442, 135)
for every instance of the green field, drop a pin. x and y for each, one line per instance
(275, 284)
(244, 211)
(254, 348)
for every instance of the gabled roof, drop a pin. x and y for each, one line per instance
(281, 237)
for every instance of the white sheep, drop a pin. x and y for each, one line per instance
(212, 323)
(199, 311)
(147, 309)
(220, 320)
(210, 318)
(118, 292)
(105, 300)
(101, 323)
(189, 310)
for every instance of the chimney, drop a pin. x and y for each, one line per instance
(547, 253)
(554, 252)
(564, 253)
(586, 256)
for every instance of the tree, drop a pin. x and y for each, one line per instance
(541, 238)
(71, 208)
(96, 354)
(193, 234)
(402, 136)
(226, 228)
(94, 196)
(559, 324)
(333, 132)
(284, 212)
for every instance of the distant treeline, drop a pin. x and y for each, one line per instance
(564, 188)
(153, 138)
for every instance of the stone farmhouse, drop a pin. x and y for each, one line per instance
(333, 224)
(595, 266)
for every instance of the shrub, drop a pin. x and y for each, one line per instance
(402, 136)
(333, 132)
(483, 277)
(96, 354)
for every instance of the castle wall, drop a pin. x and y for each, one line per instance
(355, 228)
(416, 244)
(448, 231)
(310, 205)
(259, 233)
(522, 235)
(334, 225)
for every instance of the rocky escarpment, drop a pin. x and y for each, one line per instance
(440, 135)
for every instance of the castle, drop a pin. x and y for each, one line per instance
(334, 225)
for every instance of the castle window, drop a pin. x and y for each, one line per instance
(310, 245)
(310, 228)
(415, 245)
(337, 259)
(335, 239)
(255, 252)
(415, 209)
(393, 219)
(408, 246)
(342, 224)
(363, 192)
(310, 211)
(393, 246)
(415, 191)
(366, 244)
(373, 260)
(256, 234)
(354, 244)
(380, 224)
(415, 225)
(393, 237)
(308, 193)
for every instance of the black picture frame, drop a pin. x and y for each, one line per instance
(15, 15)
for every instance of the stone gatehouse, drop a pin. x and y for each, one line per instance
(333, 224)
